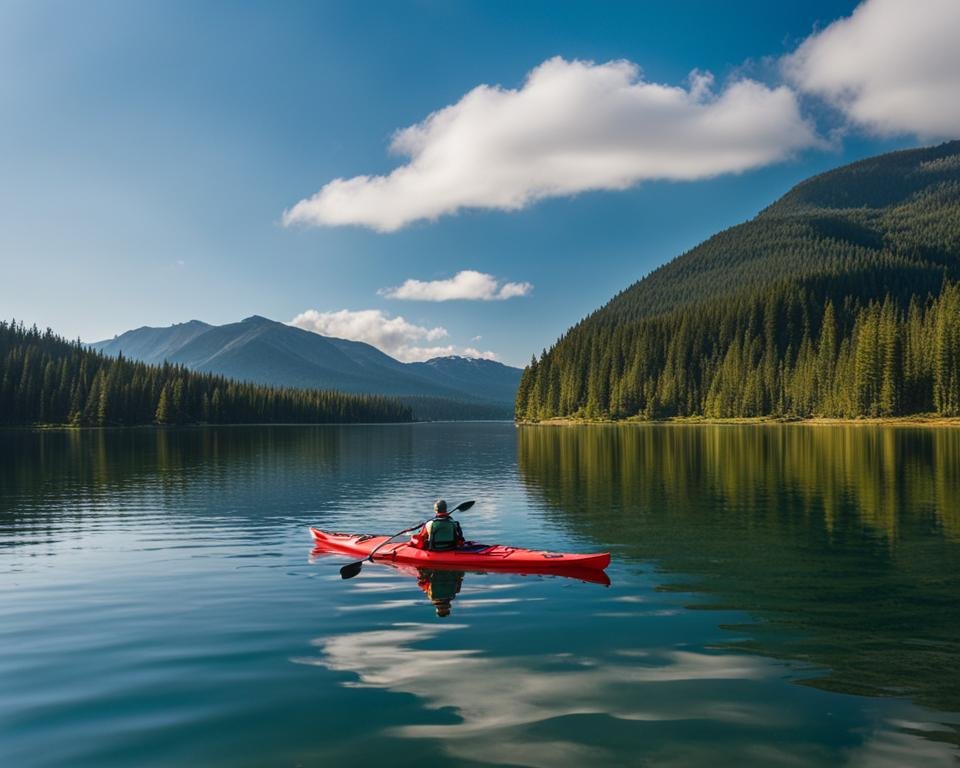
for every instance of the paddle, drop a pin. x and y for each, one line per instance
(352, 569)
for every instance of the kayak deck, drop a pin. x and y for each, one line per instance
(473, 555)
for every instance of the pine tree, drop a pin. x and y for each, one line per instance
(826, 362)
(163, 412)
(888, 339)
(103, 405)
(216, 406)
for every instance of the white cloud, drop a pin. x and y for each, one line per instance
(466, 284)
(393, 335)
(419, 354)
(511, 290)
(892, 67)
(573, 126)
(472, 352)
(428, 353)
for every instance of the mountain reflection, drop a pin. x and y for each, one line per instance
(843, 542)
(46, 474)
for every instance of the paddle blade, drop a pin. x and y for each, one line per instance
(465, 506)
(351, 569)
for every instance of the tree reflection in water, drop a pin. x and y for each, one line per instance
(843, 542)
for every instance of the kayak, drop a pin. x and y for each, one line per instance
(471, 556)
(589, 575)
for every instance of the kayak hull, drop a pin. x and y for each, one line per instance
(589, 575)
(471, 557)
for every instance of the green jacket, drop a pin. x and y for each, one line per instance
(442, 533)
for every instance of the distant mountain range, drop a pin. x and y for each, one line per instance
(269, 352)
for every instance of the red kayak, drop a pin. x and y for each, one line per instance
(483, 557)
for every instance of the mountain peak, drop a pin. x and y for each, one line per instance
(265, 351)
(458, 358)
(463, 360)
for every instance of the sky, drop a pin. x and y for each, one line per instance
(431, 177)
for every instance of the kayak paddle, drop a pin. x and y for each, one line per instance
(352, 569)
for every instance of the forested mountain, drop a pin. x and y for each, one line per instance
(153, 345)
(482, 379)
(267, 352)
(47, 380)
(840, 299)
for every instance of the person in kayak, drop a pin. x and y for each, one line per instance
(443, 532)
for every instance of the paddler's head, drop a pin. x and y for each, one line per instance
(440, 508)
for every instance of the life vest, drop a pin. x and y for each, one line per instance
(442, 532)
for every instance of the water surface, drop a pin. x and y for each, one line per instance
(781, 596)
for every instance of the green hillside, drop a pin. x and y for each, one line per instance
(47, 380)
(837, 300)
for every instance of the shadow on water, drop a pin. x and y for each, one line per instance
(842, 542)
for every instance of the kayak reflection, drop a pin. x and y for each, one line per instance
(442, 585)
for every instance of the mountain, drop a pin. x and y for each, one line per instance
(895, 212)
(153, 345)
(482, 379)
(839, 299)
(268, 352)
(45, 379)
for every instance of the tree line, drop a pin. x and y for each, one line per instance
(763, 515)
(786, 351)
(44, 379)
(429, 408)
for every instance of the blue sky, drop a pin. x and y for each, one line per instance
(148, 152)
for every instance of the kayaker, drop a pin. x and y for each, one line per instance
(443, 532)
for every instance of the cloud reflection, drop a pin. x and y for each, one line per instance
(675, 705)
(499, 699)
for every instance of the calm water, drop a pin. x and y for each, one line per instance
(781, 596)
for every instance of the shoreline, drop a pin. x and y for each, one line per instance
(168, 427)
(919, 420)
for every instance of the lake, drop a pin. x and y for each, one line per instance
(781, 595)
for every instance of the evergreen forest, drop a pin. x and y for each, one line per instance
(45, 379)
(839, 300)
